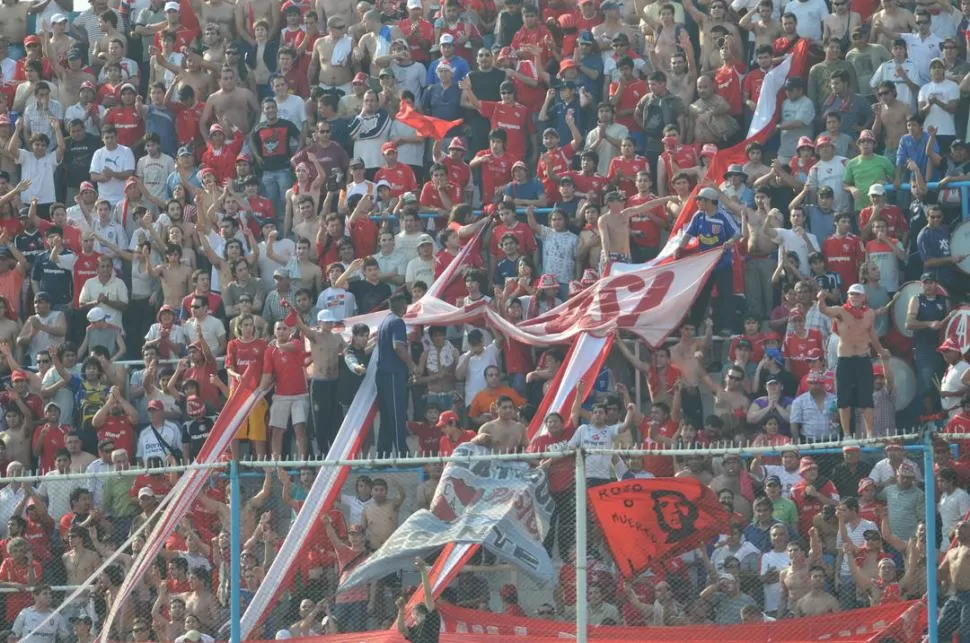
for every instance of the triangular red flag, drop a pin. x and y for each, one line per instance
(647, 520)
(429, 126)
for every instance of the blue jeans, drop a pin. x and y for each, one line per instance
(275, 184)
(443, 401)
(392, 400)
(929, 365)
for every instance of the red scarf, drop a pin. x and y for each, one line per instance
(855, 312)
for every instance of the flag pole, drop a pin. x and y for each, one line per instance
(235, 547)
(932, 558)
(582, 613)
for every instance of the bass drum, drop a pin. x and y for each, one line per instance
(960, 245)
(906, 293)
(958, 327)
(905, 381)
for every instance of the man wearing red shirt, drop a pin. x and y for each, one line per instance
(727, 82)
(438, 194)
(645, 228)
(458, 171)
(468, 39)
(83, 265)
(34, 51)
(532, 33)
(187, 112)
(452, 433)
(184, 34)
(751, 86)
(588, 17)
(126, 118)
(960, 423)
(418, 32)
(626, 93)
(808, 499)
(398, 175)
(507, 115)
(220, 155)
(292, 74)
(843, 251)
(115, 421)
(509, 224)
(519, 71)
(49, 437)
(20, 567)
(880, 209)
(451, 247)
(799, 344)
(283, 365)
(555, 161)
(586, 180)
(625, 168)
(674, 158)
(560, 473)
(496, 166)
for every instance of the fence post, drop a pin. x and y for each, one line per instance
(932, 589)
(965, 202)
(582, 614)
(235, 556)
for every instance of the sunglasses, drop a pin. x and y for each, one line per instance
(195, 307)
(735, 378)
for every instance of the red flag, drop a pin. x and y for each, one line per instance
(646, 520)
(429, 126)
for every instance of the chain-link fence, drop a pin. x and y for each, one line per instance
(794, 548)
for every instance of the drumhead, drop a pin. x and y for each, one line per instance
(960, 244)
(906, 293)
(958, 327)
(904, 380)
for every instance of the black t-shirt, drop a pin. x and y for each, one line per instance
(194, 433)
(370, 297)
(428, 631)
(30, 244)
(275, 144)
(77, 158)
(53, 279)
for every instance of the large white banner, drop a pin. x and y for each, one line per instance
(501, 504)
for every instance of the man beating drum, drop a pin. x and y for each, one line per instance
(853, 372)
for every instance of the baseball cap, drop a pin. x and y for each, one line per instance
(614, 195)
(87, 185)
(31, 40)
(867, 135)
(906, 469)
(446, 418)
(709, 149)
(770, 480)
(18, 375)
(519, 164)
(281, 273)
(146, 492)
(96, 315)
(709, 194)
(184, 151)
(876, 189)
(52, 404)
(326, 316)
(156, 405)
(864, 484)
(548, 281)
(58, 17)
(357, 162)
(927, 276)
(824, 139)
(216, 127)
(75, 54)
(794, 83)
(360, 78)
(443, 66)
(385, 72)
(425, 239)
(388, 147)
(825, 191)
(384, 183)
(805, 141)
(857, 289)
(446, 39)
(129, 87)
(457, 144)
(172, 6)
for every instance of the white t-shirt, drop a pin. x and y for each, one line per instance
(953, 507)
(340, 302)
(810, 15)
(115, 290)
(420, 270)
(829, 173)
(790, 241)
(475, 372)
(150, 447)
(921, 52)
(951, 383)
(355, 505)
(788, 478)
(284, 249)
(778, 560)
(58, 494)
(589, 437)
(887, 72)
(292, 109)
(212, 330)
(120, 159)
(41, 174)
(856, 538)
(882, 472)
(937, 117)
(29, 619)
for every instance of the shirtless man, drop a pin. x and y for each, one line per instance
(853, 374)
(176, 277)
(760, 263)
(231, 103)
(890, 116)
(890, 20)
(682, 356)
(326, 348)
(795, 579)
(817, 601)
(765, 29)
(248, 516)
(80, 562)
(330, 73)
(194, 75)
(667, 37)
(365, 53)
(710, 45)
(614, 226)
(70, 80)
(505, 433)
(217, 12)
(17, 437)
(955, 578)
(13, 21)
(682, 77)
(214, 44)
(379, 518)
(342, 8)
(248, 12)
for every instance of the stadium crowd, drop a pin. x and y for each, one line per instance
(200, 185)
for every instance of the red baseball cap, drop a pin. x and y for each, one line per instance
(446, 418)
(949, 344)
(388, 147)
(361, 77)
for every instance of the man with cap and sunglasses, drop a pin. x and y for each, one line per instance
(925, 315)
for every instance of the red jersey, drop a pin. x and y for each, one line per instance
(757, 346)
(46, 69)
(559, 160)
(128, 122)
(428, 437)
(431, 198)
(843, 256)
(562, 471)
(118, 429)
(72, 235)
(447, 447)
(671, 375)
(895, 221)
(214, 301)
(959, 423)
(107, 90)
(751, 85)
(496, 173)
(531, 97)
(623, 173)
(456, 289)
(870, 510)
(223, 160)
(48, 442)
(515, 119)
(416, 32)
(183, 38)
(661, 466)
(538, 36)
(400, 176)
(521, 231)
(458, 172)
(517, 356)
(207, 390)
(40, 539)
(287, 367)
(32, 401)
(809, 507)
(632, 92)
(297, 81)
(644, 231)
(187, 122)
(727, 85)
(240, 354)
(364, 234)
(587, 183)
(13, 572)
(158, 483)
(681, 157)
(797, 348)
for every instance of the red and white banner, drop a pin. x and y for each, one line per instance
(237, 408)
(357, 422)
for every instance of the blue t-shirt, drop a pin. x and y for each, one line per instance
(820, 223)
(161, 121)
(392, 330)
(530, 190)
(712, 232)
(934, 243)
(911, 149)
(505, 269)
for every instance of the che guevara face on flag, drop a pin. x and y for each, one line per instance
(647, 521)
